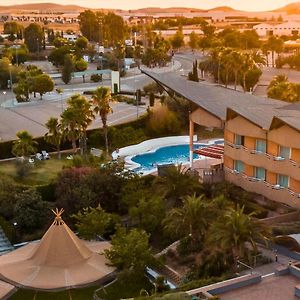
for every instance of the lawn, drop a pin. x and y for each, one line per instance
(41, 172)
(125, 287)
(80, 294)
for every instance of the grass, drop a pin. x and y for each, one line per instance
(41, 172)
(80, 294)
(125, 287)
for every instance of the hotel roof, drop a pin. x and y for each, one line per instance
(219, 101)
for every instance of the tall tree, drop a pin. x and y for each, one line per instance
(233, 231)
(75, 120)
(92, 222)
(34, 36)
(189, 220)
(42, 84)
(54, 135)
(67, 69)
(130, 250)
(177, 41)
(101, 100)
(25, 145)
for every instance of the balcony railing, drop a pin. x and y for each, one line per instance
(265, 160)
(256, 185)
(269, 156)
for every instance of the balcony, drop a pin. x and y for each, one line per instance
(254, 185)
(271, 163)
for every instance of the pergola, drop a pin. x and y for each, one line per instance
(59, 261)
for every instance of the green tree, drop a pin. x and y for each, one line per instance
(25, 145)
(130, 250)
(54, 136)
(148, 212)
(101, 100)
(177, 183)
(31, 212)
(274, 44)
(194, 40)
(42, 84)
(33, 37)
(92, 222)
(75, 119)
(82, 43)
(191, 219)
(233, 231)
(177, 41)
(67, 69)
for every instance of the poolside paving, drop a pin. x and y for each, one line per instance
(270, 288)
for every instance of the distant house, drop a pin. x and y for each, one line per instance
(287, 28)
(264, 29)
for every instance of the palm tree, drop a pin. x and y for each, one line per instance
(25, 145)
(233, 231)
(235, 59)
(189, 220)
(101, 100)
(247, 64)
(177, 183)
(54, 135)
(69, 127)
(76, 119)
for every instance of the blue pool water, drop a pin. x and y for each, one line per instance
(165, 155)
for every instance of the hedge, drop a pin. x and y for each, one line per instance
(6, 147)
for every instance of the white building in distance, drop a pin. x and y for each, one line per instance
(287, 28)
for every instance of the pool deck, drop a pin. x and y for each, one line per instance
(200, 165)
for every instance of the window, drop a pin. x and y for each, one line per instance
(260, 173)
(239, 140)
(239, 166)
(285, 152)
(261, 146)
(283, 180)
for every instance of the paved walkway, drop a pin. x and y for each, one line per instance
(265, 269)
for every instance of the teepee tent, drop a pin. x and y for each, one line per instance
(60, 260)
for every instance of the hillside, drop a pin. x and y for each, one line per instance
(42, 7)
(293, 8)
(157, 10)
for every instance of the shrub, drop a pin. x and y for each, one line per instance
(47, 191)
(96, 77)
(162, 121)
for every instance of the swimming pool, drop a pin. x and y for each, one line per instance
(175, 154)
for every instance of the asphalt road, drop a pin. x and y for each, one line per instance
(33, 115)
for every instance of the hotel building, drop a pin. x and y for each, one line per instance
(261, 136)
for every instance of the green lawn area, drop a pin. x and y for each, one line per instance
(127, 287)
(122, 288)
(41, 172)
(80, 294)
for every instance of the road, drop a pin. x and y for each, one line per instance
(33, 115)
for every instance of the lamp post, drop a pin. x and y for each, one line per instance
(11, 83)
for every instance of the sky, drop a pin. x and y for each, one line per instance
(249, 5)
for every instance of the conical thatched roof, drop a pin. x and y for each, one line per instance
(60, 260)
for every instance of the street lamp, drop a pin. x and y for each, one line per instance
(11, 83)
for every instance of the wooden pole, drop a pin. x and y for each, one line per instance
(34, 296)
(70, 296)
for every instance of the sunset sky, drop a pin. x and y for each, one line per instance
(250, 5)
